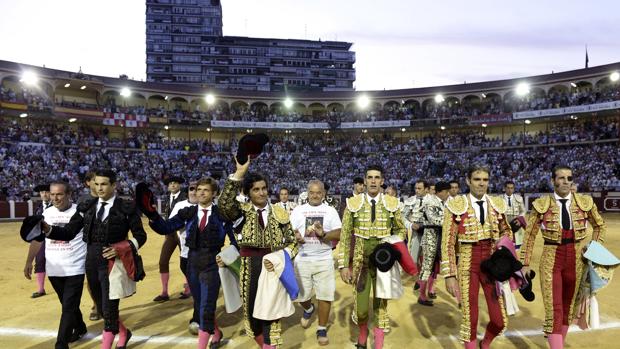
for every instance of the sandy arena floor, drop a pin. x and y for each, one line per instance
(32, 323)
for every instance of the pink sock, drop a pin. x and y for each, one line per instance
(486, 341)
(363, 337)
(470, 345)
(164, 283)
(41, 282)
(378, 332)
(423, 285)
(122, 334)
(186, 287)
(431, 283)
(555, 341)
(217, 335)
(107, 338)
(564, 332)
(203, 339)
(259, 340)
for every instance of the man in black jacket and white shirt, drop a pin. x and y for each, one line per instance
(106, 221)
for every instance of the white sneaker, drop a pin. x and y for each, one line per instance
(305, 318)
(193, 328)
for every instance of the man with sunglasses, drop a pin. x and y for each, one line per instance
(563, 218)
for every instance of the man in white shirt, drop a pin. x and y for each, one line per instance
(284, 201)
(65, 262)
(515, 207)
(316, 224)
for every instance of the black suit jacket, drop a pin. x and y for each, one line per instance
(122, 218)
(167, 208)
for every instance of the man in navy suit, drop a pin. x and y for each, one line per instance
(206, 233)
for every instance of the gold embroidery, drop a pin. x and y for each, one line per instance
(390, 203)
(585, 202)
(541, 205)
(498, 204)
(280, 214)
(458, 205)
(464, 267)
(356, 202)
(547, 260)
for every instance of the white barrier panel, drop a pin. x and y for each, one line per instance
(376, 124)
(568, 110)
(270, 125)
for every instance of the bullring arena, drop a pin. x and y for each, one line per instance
(146, 131)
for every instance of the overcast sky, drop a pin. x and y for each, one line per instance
(398, 43)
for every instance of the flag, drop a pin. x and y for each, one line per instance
(587, 59)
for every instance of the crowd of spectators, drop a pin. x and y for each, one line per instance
(32, 153)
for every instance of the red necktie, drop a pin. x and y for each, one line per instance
(203, 221)
(261, 221)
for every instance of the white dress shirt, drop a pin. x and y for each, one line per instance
(265, 212)
(109, 202)
(474, 204)
(201, 213)
(568, 203)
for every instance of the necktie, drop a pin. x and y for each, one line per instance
(101, 211)
(261, 221)
(48, 205)
(203, 220)
(509, 204)
(420, 202)
(565, 216)
(481, 203)
(372, 212)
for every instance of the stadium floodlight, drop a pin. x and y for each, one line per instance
(528, 121)
(364, 131)
(363, 101)
(523, 89)
(165, 98)
(67, 85)
(439, 99)
(288, 103)
(125, 92)
(615, 76)
(166, 127)
(29, 78)
(23, 115)
(403, 129)
(484, 125)
(83, 87)
(443, 128)
(210, 99)
(483, 95)
(208, 129)
(72, 120)
(573, 84)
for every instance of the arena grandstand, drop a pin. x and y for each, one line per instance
(60, 123)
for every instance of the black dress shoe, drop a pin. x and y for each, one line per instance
(432, 295)
(416, 286)
(38, 294)
(426, 302)
(184, 295)
(77, 334)
(127, 341)
(161, 298)
(360, 346)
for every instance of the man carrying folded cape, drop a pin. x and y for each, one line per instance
(265, 228)
(206, 231)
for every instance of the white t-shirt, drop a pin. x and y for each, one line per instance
(303, 217)
(64, 258)
(181, 233)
